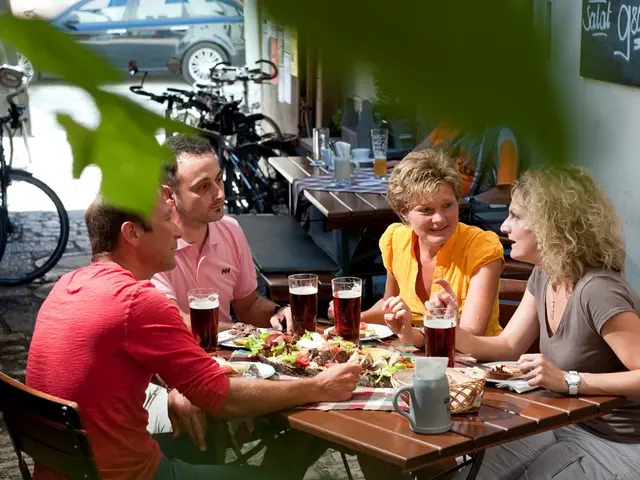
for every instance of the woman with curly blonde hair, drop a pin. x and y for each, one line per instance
(430, 244)
(586, 317)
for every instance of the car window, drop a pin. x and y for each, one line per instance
(212, 8)
(98, 11)
(159, 9)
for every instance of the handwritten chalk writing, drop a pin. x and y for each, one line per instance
(628, 27)
(598, 19)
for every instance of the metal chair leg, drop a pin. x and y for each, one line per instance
(346, 465)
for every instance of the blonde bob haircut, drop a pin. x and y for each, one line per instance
(418, 176)
(575, 224)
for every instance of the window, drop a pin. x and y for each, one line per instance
(98, 11)
(212, 8)
(158, 9)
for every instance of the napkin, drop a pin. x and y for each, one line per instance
(518, 386)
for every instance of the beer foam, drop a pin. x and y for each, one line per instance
(440, 324)
(304, 290)
(203, 304)
(346, 294)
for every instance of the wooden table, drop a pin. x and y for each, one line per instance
(342, 210)
(503, 417)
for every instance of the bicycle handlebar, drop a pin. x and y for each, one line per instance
(186, 93)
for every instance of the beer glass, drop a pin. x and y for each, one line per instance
(204, 304)
(347, 303)
(440, 333)
(320, 144)
(303, 297)
(379, 141)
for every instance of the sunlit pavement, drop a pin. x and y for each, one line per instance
(50, 151)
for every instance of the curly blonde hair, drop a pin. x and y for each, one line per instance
(418, 176)
(575, 224)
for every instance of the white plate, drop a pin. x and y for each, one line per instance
(264, 370)
(224, 338)
(380, 331)
(494, 380)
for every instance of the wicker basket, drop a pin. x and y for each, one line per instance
(466, 387)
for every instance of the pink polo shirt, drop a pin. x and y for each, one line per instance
(224, 264)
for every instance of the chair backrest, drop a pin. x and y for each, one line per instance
(46, 428)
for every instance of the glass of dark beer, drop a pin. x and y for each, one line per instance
(204, 304)
(347, 303)
(303, 297)
(440, 333)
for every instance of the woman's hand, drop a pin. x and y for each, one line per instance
(397, 316)
(446, 299)
(539, 371)
(331, 312)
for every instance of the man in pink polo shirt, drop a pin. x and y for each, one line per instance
(213, 251)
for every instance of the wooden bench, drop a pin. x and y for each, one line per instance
(48, 429)
(281, 247)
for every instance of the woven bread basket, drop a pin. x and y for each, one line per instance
(466, 387)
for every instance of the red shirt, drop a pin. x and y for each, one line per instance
(99, 337)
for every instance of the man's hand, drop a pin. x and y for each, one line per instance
(186, 417)
(337, 383)
(330, 312)
(283, 317)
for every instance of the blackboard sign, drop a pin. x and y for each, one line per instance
(610, 48)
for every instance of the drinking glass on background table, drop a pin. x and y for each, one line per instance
(204, 304)
(347, 304)
(303, 297)
(379, 141)
(320, 144)
(440, 333)
(344, 171)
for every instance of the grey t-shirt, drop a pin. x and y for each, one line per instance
(578, 345)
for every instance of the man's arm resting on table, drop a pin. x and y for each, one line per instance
(248, 398)
(254, 309)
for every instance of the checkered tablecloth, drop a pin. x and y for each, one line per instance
(364, 398)
(364, 182)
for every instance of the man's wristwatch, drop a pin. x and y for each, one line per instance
(573, 381)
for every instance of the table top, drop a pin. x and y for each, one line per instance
(504, 416)
(341, 209)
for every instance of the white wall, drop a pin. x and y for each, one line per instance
(607, 127)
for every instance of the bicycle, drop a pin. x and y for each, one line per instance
(246, 187)
(15, 183)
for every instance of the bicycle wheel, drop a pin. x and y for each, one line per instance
(37, 229)
(262, 127)
(267, 194)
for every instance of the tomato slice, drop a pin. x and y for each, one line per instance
(302, 360)
(363, 326)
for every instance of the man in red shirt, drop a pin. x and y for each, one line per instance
(105, 330)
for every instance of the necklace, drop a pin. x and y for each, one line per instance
(553, 301)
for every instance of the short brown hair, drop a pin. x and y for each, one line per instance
(103, 224)
(418, 175)
(179, 144)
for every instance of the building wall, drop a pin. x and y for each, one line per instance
(606, 120)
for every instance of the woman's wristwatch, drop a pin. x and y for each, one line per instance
(573, 381)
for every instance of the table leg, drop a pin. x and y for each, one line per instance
(475, 467)
(475, 461)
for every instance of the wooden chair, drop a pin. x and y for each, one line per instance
(48, 429)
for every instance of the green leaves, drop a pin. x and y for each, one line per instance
(55, 52)
(124, 144)
(472, 62)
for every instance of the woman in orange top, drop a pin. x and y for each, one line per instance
(430, 244)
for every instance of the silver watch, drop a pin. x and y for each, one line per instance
(573, 380)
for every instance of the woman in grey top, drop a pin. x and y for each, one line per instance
(586, 316)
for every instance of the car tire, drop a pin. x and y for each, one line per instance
(197, 49)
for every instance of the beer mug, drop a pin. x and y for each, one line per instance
(204, 304)
(344, 170)
(347, 304)
(303, 297)
(440, 333)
